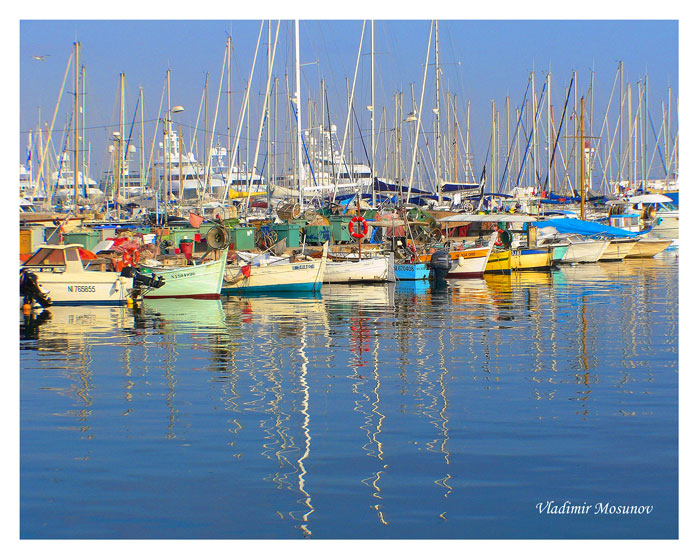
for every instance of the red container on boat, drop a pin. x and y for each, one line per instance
(186, 247)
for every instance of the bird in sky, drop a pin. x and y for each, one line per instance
(40, 58)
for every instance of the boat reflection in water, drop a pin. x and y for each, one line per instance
(363, 411)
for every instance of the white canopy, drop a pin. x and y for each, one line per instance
(649, 199)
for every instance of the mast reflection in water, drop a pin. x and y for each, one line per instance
(375, 411)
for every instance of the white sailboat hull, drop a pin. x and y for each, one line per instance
(587, 251)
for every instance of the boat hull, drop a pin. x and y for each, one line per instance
(499, 262)
(201, 281)
(304, 276)
(469, 263)
(102, 288)
(618, 249)
(588, 251)
(367, 270)
(648, 248)
(531, 259)
(416, 271)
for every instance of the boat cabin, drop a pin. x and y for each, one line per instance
(56, 258)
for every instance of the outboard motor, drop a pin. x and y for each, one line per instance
(29, 289)
(440, 263)
(142, 280)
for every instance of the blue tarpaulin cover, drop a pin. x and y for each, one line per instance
(577, 226)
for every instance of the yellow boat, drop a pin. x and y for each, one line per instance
(531, 258)
(499, 262)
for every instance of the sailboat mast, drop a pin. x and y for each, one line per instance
(122, 144)
(583, 166)
(76, 146)
(374, 139)
(454, 137)
(549, 127)
(619, 138)
(297, 98)
(493, 146)
(438, 169)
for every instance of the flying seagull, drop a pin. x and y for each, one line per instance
(40, 58)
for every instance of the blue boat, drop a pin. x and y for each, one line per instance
(413, 271)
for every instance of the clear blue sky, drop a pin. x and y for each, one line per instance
(481, 61)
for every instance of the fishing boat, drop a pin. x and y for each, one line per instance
(374, 269)
(282, 275)
(471, 262)
(198, 281)
(55, 275)
(531, 258)
(500, 262)
(412, 271)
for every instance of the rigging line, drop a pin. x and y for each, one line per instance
(661, 156)
(556, 141)
(515, 135)
(303, 143)
(364, 147)
(529, 140)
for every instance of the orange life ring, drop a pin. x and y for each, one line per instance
(126, 259)
(351, 227)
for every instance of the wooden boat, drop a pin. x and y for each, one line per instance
(412, 271)
(531, 258)
(57, 271)
(374, 269)
(500, 261)
(198, 281)
(468, 261)
(279, 276)
(618, 249)
(648, 248)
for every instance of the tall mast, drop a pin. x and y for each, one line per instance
(122, 143)
(297, 98)
(142, 171)
(644, 137)
(534, 130)
(630, 173)
(549, 127)
(267, 109)
(76, 146)
(508, 166)
(454, 137)
(468, 154)
(374, 140)
(583, 166)
(493, 146)
(82, 120)
(438, 169)
(228, 102)
(619, 139)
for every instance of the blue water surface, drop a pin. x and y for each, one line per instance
(368, 411)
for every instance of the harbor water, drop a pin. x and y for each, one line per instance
(489, 408)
